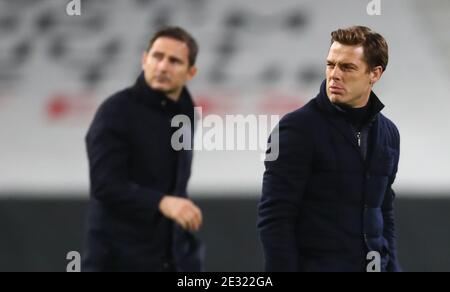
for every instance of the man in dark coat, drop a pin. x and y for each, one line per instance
(327, 202)
(140, 218)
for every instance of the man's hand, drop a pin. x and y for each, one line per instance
(182, 211)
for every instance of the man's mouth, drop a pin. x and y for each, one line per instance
(336, 89)
(162, 79)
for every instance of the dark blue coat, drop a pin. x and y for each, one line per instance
(327, 202)
(132, 166)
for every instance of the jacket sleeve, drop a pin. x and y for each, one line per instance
(389, 216)
(284, 184)
(108, 152)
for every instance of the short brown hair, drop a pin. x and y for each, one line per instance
(374, 45)
(179, 34)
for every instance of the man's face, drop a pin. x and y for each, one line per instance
(349, 81)
(166, 66)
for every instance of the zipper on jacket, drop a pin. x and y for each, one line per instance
(358, 136)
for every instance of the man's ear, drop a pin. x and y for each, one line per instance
(375, 74)
(144, 59)
(192, 72)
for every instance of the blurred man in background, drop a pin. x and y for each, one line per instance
(327, 201)
(140, 218)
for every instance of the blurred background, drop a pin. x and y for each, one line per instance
(259, 57)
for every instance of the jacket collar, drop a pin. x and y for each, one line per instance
(336, 116)
(325, 105)
(157, 99)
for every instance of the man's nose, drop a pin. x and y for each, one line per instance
(163, 65)
(336, 73)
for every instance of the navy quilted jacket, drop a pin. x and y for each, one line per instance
(327, 200)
